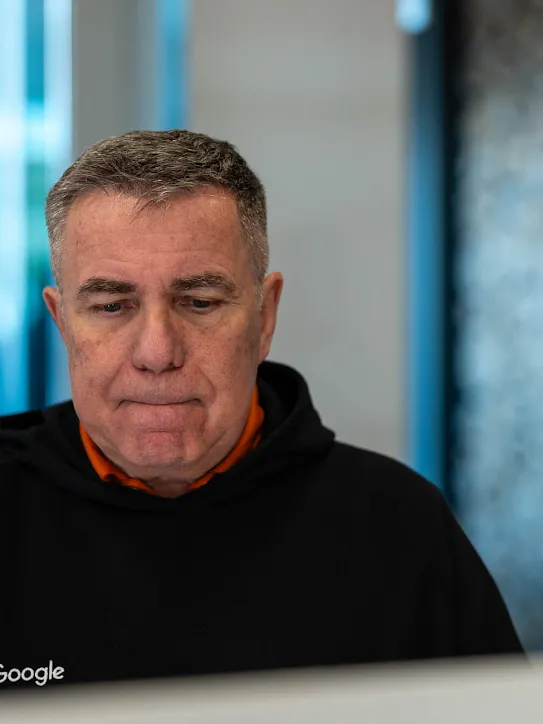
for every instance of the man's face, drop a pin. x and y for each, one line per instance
(163, 329)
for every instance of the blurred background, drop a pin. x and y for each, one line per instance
(401, 145)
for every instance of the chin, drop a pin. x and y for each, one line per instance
(160, 450)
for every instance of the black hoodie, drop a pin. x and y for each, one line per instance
(306, 552)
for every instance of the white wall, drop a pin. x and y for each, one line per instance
(114, 69)
(311, 92)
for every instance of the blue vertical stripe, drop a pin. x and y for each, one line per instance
(425, 269)
(13, 228)
(172, 29)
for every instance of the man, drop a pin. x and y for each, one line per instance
(187, 512)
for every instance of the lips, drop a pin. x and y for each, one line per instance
(159, 402)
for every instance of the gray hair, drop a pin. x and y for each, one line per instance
(155, 167)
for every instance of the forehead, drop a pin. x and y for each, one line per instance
(107, 231)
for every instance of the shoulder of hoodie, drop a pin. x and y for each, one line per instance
(14, 431)
(362, 477)
(14, 427)
(384, 501)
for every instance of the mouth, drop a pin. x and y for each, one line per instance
(162, 404)
(157, 404)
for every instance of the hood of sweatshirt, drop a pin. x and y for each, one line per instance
(45, 445)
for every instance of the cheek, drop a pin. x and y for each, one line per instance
(232, 357)
(90, 363)
(244, 345)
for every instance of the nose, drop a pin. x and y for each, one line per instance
(159, 346)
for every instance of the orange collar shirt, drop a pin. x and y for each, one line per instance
(250, 437)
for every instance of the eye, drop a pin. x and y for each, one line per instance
(201, 303)
(110, 308)
(200, 306)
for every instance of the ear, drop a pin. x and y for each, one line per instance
(53, 301)
(271, 294)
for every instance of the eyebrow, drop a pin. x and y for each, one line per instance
(207, 280)
(100, 285)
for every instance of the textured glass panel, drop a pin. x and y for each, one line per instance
(499, 277)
